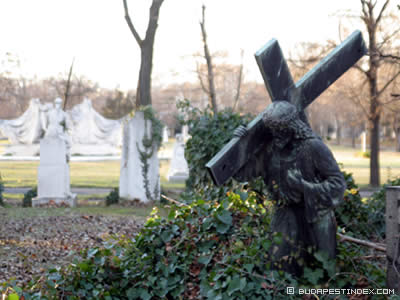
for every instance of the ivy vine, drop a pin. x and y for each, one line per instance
(150, 144)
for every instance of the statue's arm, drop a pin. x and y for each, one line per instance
(254, 167)
(326, 191)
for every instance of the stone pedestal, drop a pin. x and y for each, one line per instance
(53, 175)
(178, 170)
(131, 182)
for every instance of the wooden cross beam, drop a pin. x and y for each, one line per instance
(280, 86)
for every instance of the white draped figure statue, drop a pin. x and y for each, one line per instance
(53, 170)
(56, 124)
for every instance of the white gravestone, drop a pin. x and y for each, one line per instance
(364, 141)
(185, 133)
(53, 170)
(131, 182)
(165, 134)
(178, 170)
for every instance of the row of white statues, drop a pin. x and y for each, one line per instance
(53, 171)
(85, 125)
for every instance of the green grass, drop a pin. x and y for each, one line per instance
(102, 174)
(353, 162)
(106, 173)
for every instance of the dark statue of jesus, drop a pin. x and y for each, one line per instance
(304, 181)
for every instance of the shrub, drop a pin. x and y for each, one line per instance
(352, 214)
(112, 197)
(210, 250)
(209, 133)
(27, 201)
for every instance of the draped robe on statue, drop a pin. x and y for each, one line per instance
(304, 216)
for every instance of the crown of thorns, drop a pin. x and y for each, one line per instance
(279, 115)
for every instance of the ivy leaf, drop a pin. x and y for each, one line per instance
(225, 217)
(144, 295)
(222, 228)
(234, 285)
(313, 276)
(204, 260)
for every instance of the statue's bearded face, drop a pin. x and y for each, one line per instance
(281, 137)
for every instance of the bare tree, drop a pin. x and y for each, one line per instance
(239, 83)
(210, 89)
(143, 91)
(68, 85)
(372, 16)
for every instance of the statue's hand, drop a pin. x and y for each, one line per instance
(295, 180)
(240, 131)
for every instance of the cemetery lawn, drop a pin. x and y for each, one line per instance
(105, 174)
(100, 174)
(353, 162)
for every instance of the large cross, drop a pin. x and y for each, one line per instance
(280, 86)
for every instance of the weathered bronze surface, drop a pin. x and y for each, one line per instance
(280, 86)
(305, 183)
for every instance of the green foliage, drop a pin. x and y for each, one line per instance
(209, 133)
(112, 197)
(207, 249)
(352, 214)
(27, 201)
(149, 145)
(366, 154)
(1, 191)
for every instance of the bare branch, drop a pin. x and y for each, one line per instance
(375, 246)
(68, 85)
(130, 24)
(391, 56)
(387, 84)
(203, 86)
(364, 10)
(381, 12)
(239, 83)
(212, 94)
(153, 19)
(387, 38)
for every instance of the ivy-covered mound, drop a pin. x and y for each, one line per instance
(210, 250)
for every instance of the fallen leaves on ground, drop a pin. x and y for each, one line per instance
(30, 245)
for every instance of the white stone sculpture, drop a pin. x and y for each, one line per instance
(178, 170)
(53, 170)
(25, 129)
(132, 182)
(89, 132)
(90, 127)
(56, 125)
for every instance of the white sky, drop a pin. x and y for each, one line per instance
(47, 34)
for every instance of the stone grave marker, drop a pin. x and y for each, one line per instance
(178, 170)
(132, 181)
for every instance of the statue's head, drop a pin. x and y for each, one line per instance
(58, 102)
(279, 118)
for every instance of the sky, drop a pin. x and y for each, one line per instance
(46, 35)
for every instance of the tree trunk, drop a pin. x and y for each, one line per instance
(353, 137)
(374, 158)
(143, 91)
(375, 110)
(210, 72)
(397, 134)
(338, 133)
